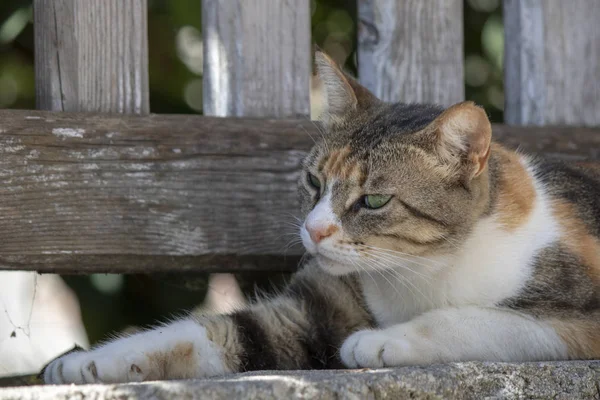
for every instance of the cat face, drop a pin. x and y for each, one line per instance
(389, 183)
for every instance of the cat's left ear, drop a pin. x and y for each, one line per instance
(463, 136)
(342, 96)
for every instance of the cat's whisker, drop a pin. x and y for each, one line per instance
(403, 261)
(386, 262)
(361, 269)
(292, 223)
(452, 242)
(397, 262)
(308, 133)
(406, 259)
(405, 254)
(365, 270)
(295, 238)
(288, 218)
(378, 269)
(397, 258)
(385, 265)
(303, 258)
(384, 268)
(441, 264)
(322, 133)
(296, 222)
(293, 242)
(291, 234)
(400, 276)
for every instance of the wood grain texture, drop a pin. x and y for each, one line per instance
(93, 192)
(91, 55)
(552, 62)
(412, 50)
(257, 65)
(257, 59)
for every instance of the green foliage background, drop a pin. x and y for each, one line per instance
(111, 302)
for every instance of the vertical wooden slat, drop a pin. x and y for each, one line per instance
(552, 62)
(523, 62)
(91, 55)
(412, 50)
(257, 59)
(257, 63)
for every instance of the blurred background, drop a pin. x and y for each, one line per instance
(110, 303)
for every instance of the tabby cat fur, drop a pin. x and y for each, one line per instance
(429, 243)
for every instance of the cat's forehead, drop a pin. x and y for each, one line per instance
(377, 168)
(389, 121)
(381, 131)
(377, 147)
(344, 164)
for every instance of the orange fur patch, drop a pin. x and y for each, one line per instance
(178, 363)
(357, 174)
(582, 337)
(338, 165)
(424, 331)
(576, 237)
(516, 193)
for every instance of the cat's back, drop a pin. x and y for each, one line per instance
(565, 275)
(575, 186)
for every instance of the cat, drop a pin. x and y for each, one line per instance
(429, 243)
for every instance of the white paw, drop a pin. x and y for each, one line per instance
(180, 350)
(375, 349)
(107, 365)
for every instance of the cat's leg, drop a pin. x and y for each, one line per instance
(181, 349)
(303, 327)
(456, 334)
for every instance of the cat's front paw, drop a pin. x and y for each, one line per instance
(108, 365)
(375, 349)
(180, 350)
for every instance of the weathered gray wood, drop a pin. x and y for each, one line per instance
(257, 59)
(93, 192)
(412, 50)
(83, 264)
(552, 62)
(257, 65)
(91, 55)
(86, 192)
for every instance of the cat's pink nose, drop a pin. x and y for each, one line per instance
(320, 232)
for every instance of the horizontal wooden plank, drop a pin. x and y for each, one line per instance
(84, 193)
(76, 263)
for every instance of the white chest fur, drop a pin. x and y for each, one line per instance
(492, 265)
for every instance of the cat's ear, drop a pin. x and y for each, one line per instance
(463, 136)
(341, 95)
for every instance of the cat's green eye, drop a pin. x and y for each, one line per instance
(314, 181)
(374, 201)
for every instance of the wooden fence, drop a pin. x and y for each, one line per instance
(85, 189)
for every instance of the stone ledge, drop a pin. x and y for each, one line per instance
(471, 380)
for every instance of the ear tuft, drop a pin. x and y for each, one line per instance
(464, 132)
(342, 95)
(338, 97)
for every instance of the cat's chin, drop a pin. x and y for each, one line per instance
(332, 267)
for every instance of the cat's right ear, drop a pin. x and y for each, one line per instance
(341, 95)
(462, 135)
